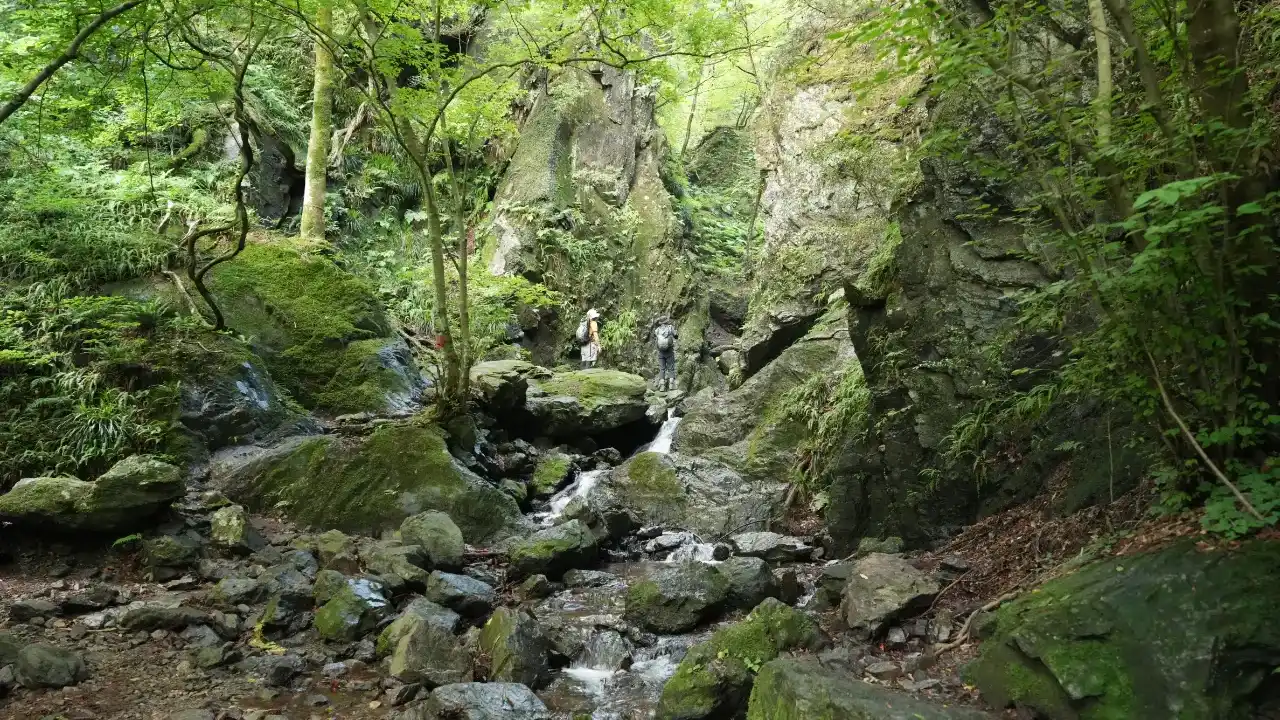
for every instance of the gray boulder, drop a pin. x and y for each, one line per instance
(122, 499)
(233, 591)
(423, 647)
(467, 596)
(46, 666)
(771, 546)
(676, 597)
(353, 611)
(789, 688)
(516, 647)
(438, 536)
(586, 402)
(554, 551)
(229, 529)
(882, 589)
(486, 701)
(154, 616)
(398, 566)
(750, 581)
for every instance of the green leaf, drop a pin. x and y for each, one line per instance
(1251, 208)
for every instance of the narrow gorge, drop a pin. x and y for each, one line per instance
(974, 402)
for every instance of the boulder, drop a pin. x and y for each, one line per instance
(24, 610)
(1135, 636)
(338, 551)
(771, 546)
(714, 678)
(46, 666)
(516, 648)
(153, 616)
(328, 583)
(554, 551)
(353, 611)
(467, 596)
(676, 597)
(165, 556)
(486, 701)
(551, 473)
(372, 484)
(9, 647)
(789, 689)
(883, 589)
(399, 567)
(607, 650)
(438, 536)
(229, 529)
(423, 647)
(750, 581)
(586, 402)
(501, 384)
(122, 499)
(693, 492)
(238, 402)
(888, 546)
(233, 591)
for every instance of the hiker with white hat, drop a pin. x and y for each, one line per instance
(589, 338)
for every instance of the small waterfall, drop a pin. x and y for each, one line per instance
(581, 485)
(662, 443)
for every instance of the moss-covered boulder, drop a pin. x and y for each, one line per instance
(438, 536)
(399, 567)
(501, 384)
(552, 471)
(229, 529)
(123, 498)
(321, 330)
(687, 491)
(586, 402)
(714, 678)
(366, 484)
(353, 611)
(676, 597)
(1178, 632)
(553, 551)
(516, 647)
(423, 647)
(805, 689)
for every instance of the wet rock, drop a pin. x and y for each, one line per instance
(676, 598)
(517, 490)
(714, 679)
(486, 701)
(166, 556)
(588, 578)
(122, 499)
(668, 541)
(803, 688)
(230, 530)
(553, 551)
(535, 588)
(46, 666)
(338, 552)
(281, 670)
(771, 546)
(398, 566)
(465, 595)
(551, 473)
(607, 650)
(887, 546)
(94, 598)
(235, 591)
(24, 610)
(423, 647)
(515, 646)
(354, 610)
(882, 589)
(327, 583)
(438, 536)
(151, 617)
(789, 588)
(750, 581)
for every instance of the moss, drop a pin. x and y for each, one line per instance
(372, 486)
(551, 472)
(303, 314)
(594, 387)
(651, 484)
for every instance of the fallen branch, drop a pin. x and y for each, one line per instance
(963, 635)
(191, 302)
(938, 597)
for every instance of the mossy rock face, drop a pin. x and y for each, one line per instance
(516, 647)
(804, 689)
(438, 536)
(423, 647)
(366, 485)
(123, 498)
(1133, 637)
(675, 598)
(694, 492)
(554, 551)
(353, 611)
(551, 472)
(594, 401)
(321, 331)
(501, 384)
(714, 678)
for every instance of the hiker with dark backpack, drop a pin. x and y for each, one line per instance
(665, 335)
(588, 337)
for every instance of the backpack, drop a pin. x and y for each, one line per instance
(664, 337)
(581, 335)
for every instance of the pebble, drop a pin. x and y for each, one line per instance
(375, 705)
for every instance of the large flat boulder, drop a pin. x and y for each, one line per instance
(590, 402)
(882, 589)
(486, 701)
(366, 485)
(791, 689)
(554, 551)
(676, 597)
(1137, 636)
(127, 495)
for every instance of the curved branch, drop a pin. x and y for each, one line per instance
(71, 53)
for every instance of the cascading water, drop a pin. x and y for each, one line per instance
(662, 443)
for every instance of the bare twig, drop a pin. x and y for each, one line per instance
(963, 636)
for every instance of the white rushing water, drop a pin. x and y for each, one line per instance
(662, 443)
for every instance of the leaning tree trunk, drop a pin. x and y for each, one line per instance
(321, 129)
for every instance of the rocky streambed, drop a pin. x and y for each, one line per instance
(592, 610)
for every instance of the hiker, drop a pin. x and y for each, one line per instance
(589, 338)
(665, 335)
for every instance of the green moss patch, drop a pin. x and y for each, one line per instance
(594, 387)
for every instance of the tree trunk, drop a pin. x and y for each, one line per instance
(313, 224)
(693, 108)
(1102, 41)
